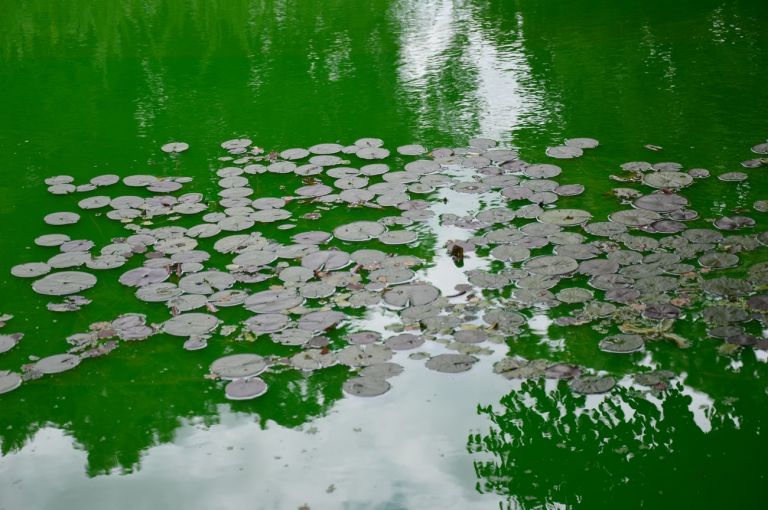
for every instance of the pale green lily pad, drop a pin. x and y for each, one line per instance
(238, 366)
(622, 343)
(189, 324)
(590, 385)
(366, 386)
(9, 381)
(56, 364)
(451, 363)
(245, 389)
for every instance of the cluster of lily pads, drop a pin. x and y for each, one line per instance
(631, 276)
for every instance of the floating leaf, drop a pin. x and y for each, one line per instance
(63, 283)
(564, 152)
(9, 381)
(245, 389)
(359, 231)
(190, 324)
(582, 143)
(366, 386)
(56, 364)
(404, 341)
(238, 366)
(590, 385)
(623, 343)
(667, 180)
(451, 363)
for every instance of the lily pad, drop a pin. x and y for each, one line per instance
(64, 283)
(56, 364)
(404, 341)
(382, 370)
(366, 386)
(364, 355)
(564, 152)
(189, 324)
(667, 180)
(267, 322)
(551, 265)
(237, 366)
(61, 218)
(451, 363)
(590, 385)
(8, 342)
(359, 231)
(320, 321)
(621, 344)
(245, 389)
(411, 295)
(582, 143)
(9, 381)
(30, 270)
(270, 301)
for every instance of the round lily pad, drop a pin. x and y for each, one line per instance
(8, 342)
(718, 260)
(451, 363)
(366, 386)
(623, 343)
(542, 171)
(189, 324)
(582, 143)
(591, 384)
(9, 381)
(359, 231)
(411, 295)
(733, 177)
(470, 336)
(237, 366)
(670, 180)
(61, 218)
(562, 371)
(551, 265)
(398, 237)
(267, 322)
(294, 153)
(734, 222)
(30, 270)
(326, 148)
(270, 301)
(329, 260)
(565, 217)
(364, 337)
(320, 321)
(56, 363)
(411, 150)
(382, 370)
(64, 283)
(245, 389)
(635, 217)
(564, 152)
(404, 341)
(364, 355)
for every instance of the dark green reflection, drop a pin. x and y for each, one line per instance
(633, 450)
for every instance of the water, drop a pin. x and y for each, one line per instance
(94, 88)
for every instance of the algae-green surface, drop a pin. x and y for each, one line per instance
(89, 88)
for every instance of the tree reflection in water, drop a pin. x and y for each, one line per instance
(549, 448)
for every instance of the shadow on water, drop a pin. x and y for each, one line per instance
(547, 448)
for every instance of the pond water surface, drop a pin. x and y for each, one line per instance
(95, 88)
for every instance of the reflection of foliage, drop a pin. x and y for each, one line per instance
(627, 452)
(115, 427)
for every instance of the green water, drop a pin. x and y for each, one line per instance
(96, 87)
